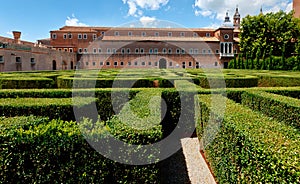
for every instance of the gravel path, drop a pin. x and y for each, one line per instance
(197, 168)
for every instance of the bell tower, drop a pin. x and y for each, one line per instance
(237, 19)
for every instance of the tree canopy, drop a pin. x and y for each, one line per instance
(271, 33)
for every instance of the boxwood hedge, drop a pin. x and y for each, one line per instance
(37, 150)
(280, 107)
(249, 147)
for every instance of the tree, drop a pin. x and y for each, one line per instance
(277, 31)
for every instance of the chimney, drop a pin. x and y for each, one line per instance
(17, 36)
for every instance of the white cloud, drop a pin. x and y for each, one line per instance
(9, 33)
(148, 21)
(207, 8)
(135, 6)
(73, 21)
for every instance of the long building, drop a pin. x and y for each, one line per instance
(18, 55)
(110, 47)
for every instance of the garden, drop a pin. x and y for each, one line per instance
(50, 122)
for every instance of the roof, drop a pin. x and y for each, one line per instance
(166, 39)
(95, 29)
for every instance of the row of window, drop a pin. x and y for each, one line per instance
(117, 33)
(70, 36)
(18, 60)
(142, 63)
(150, 51)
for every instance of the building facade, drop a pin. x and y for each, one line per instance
(109, 47)
(17, 55)
(296, 8)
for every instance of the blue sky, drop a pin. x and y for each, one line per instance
(36, 18)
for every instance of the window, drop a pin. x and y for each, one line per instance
(94, 50)
(216, 63)
(143, 63)
(114, 50)
(123, 51)
(1, 59)
(66, 49)
(103, 33)
(94, 63)
(209, 51)
(177, 51)
(65, 36)
(135, 63)
(99, 50)
(217, 51)
(80, 50)
(183, 51)
(143, 33)
(79, 36)
(85, 50)
(117, 33)
(136, 50)
(182, 34)
(226, 36)
(116, 63)
(190, 64)
(197, 65)
(32, 60)
(142, 51)
(85, 36)
(108, 51)
(128, 51)
(156, 34)
(183, 64)
(87, 63)
(71, 49)
(101, 63)
(203, 51)
(129, 33)
(195, 34)
(54, 36)
(235, 51)
(156, 51)
(196, 51)
(107, 63)
(94, 36)
(59, 49)
(169, 34)
(170, 64)
(170, 51)
(122, 63)
(129, 63)
(156, 64)
(151, 51)
(149, 63)
(164, 50)
(191, 51)
(18, 60)
(207, 34)
(70, 35)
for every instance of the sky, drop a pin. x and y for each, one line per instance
(36, 18)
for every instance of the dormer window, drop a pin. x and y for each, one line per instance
(129, 33)
(156, 33)
(169, 34)
(207, 34)
(1, 59)
(117, 33)
(182, 34)
(143, 33)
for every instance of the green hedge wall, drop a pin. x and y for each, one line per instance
(37, 150)
(54, 108)
(249, 147)
(26, 83)
(230, 82)
(282, 108)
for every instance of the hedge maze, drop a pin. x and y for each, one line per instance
(255, 139)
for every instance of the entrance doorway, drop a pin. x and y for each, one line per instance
(53, 65)
(162, 63)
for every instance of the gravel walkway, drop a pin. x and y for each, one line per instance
(197, 168)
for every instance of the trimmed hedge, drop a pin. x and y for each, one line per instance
(213, 81)
(249, 147)
(37, 150)
(52, 108)
(26, 83)
(282, 108)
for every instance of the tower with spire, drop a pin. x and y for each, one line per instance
(237, 19)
